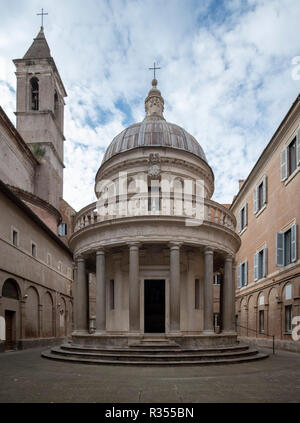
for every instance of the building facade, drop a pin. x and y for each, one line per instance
(267, 209)
(36, 264)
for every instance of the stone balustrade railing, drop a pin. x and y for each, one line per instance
(207, 211)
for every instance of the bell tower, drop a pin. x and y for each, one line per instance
(40, 116)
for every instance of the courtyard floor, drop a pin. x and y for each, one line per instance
(27, 378)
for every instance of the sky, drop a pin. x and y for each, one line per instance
(229, 74)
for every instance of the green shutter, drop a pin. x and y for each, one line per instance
(283, 164)
(279, 249)
(294, 243)
(298, 148)
(255, 260)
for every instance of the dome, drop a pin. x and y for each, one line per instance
(154, 131)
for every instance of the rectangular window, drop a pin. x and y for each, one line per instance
(261, 321)
(242, 218)
(197, 294)
(244, 274)
(260, 265)
(260, 195)
(33, 249)
(62, 229)
(15, 238)
(288, 318)
(216, 320)
(217, 279)
(286, 246)
(292, 157)
(112, 294)
(154, 198)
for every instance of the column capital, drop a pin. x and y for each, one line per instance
(208, 250)
(175, 245)
(100, 251)
(133, 244)
(228, 257)
(80, 259)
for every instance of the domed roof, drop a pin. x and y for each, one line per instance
(154, 131)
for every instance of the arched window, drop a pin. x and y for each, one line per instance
(56, 105)
(34, 94)
(10, 289)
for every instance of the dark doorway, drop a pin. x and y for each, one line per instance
(154, 302)
(9, 330)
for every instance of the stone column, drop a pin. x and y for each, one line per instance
(134, 288)
(74, 296)
(100, 291)
(81, 299)
(208, 324)
(228, 298)
(175, 286)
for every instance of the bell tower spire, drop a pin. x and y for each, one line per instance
(40, 115)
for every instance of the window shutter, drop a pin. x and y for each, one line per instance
(246, 273)
(283, 164)
(256, 266)
(298, 148)
(255, 200)
(264, 263)
(246, 214)
(279, 249)
(264, 189)
(240, 276)
(294, 243)
(240, 221)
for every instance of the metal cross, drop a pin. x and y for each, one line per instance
(42, 14)
(154, 69)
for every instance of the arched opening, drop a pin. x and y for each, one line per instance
(31, 314)
(34, 94)
(10, 289)
(56, 105)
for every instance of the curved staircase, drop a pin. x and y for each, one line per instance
(146, 353)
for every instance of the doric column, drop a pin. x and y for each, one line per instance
(208, 325)
(100, 291)
(134, 288)
(74, 286)
(175, 286)
(228, 298)
(81, 298)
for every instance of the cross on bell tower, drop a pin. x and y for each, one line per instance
(42, 15)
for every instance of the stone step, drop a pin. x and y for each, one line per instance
(150, 350)
(163, 362)
(182, 356)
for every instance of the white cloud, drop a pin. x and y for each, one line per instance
(225, 77)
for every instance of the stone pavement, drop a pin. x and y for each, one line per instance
(27, 378)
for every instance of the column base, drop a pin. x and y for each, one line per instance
(209, 332)
(228, 332)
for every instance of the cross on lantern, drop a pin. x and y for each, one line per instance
(154, 69)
